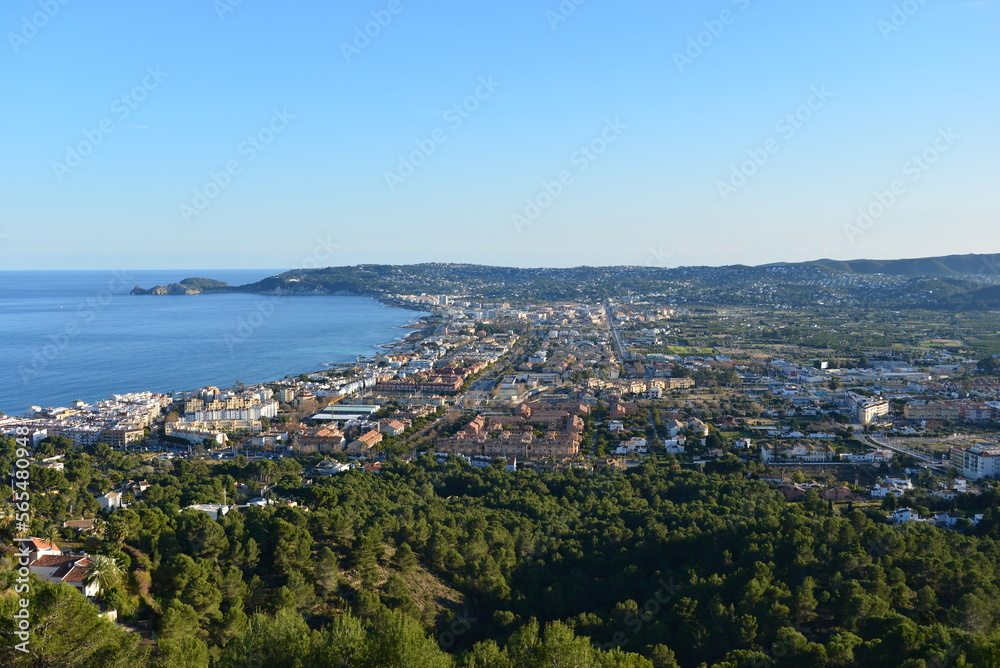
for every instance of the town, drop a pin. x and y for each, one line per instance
(826, 407)
(587, 385)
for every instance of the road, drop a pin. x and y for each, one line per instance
(622, 350)
(878, 442)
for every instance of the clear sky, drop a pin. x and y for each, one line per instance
(669, 133)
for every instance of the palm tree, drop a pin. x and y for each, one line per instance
(117, 529)
(51, 534)
(105, 571)
(100, 527)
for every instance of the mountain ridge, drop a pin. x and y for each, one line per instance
(951, 281)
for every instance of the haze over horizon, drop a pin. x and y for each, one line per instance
(242, 135)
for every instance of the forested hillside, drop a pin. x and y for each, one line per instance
(429, 564)
(943, 282)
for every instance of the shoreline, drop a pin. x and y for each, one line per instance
(417, 325)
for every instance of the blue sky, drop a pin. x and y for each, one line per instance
(599, 133)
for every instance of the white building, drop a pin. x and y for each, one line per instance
(110, 501)
(214, 510)
(632, 446)
(976, 462)
(800, 452)
(866, 409)
(906, 515)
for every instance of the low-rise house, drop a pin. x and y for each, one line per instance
(698, 427)
(68, 568)
(793, 492)
(214, 510)
(391, 427)
(51, 463)
(365, 443)
(82, 526)
(329, 468)
(891, 487)
(799, 452)
(838, 494)
(674, 447)
(110, 501)
(41, 548)
(324, 439)
(634, 445)
(872, 457)
(136, 487)
(673, 427)
(269, 440)
(905, 515)
(948, 519)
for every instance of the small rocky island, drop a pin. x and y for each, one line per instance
(189, 286)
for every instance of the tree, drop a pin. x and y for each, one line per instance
(292, 548)
(122, 524)
(404, 558)
(199, 535)
(179, 621)
(66, 632)
(326, 572)
(105, 571)
(51, 534)
(296, 594)
(364, 557)
(183, 652)
(280, 641)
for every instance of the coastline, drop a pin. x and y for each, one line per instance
(415, 326)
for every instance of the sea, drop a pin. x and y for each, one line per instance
(67, 335)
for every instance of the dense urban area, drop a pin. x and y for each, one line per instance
(645, 478)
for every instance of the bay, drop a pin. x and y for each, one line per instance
(68, 335)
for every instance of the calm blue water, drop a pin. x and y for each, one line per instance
(68, 335)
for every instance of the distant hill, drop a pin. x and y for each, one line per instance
(948, 265)
(949, 282)
(983, 299)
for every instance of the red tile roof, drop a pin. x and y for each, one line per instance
(76, 574)
(40, 544)
(70, 567)
(50, 560)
